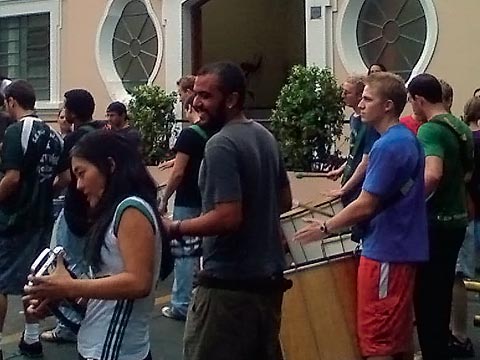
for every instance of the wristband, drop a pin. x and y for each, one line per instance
(324, 229)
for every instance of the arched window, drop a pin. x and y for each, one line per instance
(135, 45)
(129, 46)
(392, 33)
(400, 34)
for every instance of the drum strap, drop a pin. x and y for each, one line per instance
(407, 185)
(359, 230)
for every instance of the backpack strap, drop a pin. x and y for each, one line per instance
(462, 140)
(200, 131)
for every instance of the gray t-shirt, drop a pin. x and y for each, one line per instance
(243, 163)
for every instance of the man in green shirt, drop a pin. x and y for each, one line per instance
(29, 158)
(448, 145)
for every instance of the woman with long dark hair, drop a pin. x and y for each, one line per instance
(123, 251)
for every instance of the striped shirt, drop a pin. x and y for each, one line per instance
(119, 329)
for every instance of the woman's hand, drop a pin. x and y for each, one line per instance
(38, 308)
(54, 286)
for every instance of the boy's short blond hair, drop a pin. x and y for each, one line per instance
(390, 87)
(358, 81)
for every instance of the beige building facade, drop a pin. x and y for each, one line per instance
(109, 46)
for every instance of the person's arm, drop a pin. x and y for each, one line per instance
(9, 184)
(225, 218)
(430, 136)
(355, 180)
(222, 189)
(12, 155)
(64, 177)
(433, 174)
(357, 211)
(285, 198)
(387, 170)
(166, 164)
(136, 241)
(335, 174)
(176, 177)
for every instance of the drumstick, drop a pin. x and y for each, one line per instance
(313, 209)
(300, 175)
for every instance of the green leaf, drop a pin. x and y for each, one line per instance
(152, 112)
(308, 117)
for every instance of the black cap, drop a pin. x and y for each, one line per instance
(117, 107)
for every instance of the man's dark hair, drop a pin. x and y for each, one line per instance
(232, 78)
(427, 86)
(80, 102)
(23, 93)
(117, 107)
(381, 66)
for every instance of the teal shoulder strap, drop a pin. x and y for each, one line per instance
(200, 131)
(136, 203)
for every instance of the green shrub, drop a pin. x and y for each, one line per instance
(152, 111)
(308, 118)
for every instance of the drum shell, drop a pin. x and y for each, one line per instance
(319, 312)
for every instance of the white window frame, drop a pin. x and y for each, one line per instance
(104, 48)
(10, 8)
(347, 35)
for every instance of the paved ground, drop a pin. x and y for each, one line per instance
(166, 334)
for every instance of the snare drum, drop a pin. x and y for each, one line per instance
(319, 312)
(292, 221)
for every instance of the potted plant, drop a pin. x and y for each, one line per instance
(152, 111)
(308, 119)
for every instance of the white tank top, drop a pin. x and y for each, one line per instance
(119, 329)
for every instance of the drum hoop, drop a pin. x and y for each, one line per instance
(323, 261)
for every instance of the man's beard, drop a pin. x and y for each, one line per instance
(217, 119)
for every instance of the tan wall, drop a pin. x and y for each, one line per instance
(81, 21)
(456, 58)
(157, 8)
(78, 36)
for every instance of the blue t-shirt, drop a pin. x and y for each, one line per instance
(398, 232)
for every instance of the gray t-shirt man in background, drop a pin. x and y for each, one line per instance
(236, 308)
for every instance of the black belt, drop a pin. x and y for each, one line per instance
(261, 285)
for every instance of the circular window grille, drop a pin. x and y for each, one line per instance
(392, 33)
(135, 45)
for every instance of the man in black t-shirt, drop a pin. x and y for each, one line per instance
(73, 222)
(118, 119)
(183, 181)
